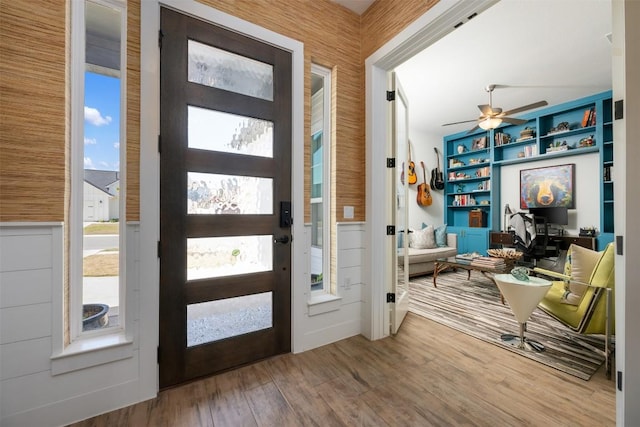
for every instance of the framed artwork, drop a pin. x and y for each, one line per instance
(546, 187)
(479, 143)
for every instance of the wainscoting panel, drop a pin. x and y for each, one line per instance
(30, 277)
(25, 287)
(343, 318)
(24, 357)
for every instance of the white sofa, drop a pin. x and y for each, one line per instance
(421, 261)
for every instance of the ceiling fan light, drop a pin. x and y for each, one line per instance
(490, 123)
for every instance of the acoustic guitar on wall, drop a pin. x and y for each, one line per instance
(437, 178)
(424, 194)
(411, 173)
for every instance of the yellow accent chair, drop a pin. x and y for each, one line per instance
(583, 298)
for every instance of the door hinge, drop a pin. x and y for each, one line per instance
(160, 36)
(619, 380)
(618, 109)
(619, 245)
(391, 297)
(391, 230)
(391, 95)
(158, 356)
(159, 251)
(391, 162)
(159, 145)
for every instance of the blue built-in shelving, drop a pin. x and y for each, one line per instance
(472, 173)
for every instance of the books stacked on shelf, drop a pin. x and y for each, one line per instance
(502, 138)
(589, 117)
(530, 150)
(608, 173)
(482, 172)
(484, 186)
(467, 258)
(489, 262)
(463, 200)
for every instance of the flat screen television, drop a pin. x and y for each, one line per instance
(555, 215)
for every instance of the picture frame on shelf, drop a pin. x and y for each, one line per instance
(479, 143)
(550, 186)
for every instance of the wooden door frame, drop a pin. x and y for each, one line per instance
(148, 275)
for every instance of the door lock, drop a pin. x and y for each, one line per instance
(282, 239)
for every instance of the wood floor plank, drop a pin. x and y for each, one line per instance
(428, 374)
(269, 406)
(227, 401)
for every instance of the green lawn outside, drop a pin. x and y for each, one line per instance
(102, 228)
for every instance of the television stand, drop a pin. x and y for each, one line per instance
(499, 239)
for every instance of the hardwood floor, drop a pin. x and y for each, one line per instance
(427, 375)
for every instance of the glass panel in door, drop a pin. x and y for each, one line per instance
(229, 133)
(219, 68)
(216, 320)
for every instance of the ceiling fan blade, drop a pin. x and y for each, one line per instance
(526, 107)
(513, 121)
(457, 123)
(485, 109)
(473, 129)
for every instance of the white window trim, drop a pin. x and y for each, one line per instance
(320, 295)
(83, 351)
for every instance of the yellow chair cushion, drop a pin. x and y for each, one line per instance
(581, 265)
(574, 315)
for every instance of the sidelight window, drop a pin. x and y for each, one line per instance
(320, 178)
(97, 210)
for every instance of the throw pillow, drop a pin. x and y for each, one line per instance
(423, 239)
(582, 263)
(441, 236)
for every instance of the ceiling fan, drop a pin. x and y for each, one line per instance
(491, 118)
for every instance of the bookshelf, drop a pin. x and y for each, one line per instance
(472, 173)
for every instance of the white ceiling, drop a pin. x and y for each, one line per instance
(553, 50)
(358, 6)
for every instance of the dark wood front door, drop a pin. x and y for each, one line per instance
(225, 187)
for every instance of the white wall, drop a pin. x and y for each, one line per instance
(422, 150)
(31, 277)
(587, 186)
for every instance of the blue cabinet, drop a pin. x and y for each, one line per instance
(471, 239)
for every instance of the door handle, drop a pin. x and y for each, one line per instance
(282, 239)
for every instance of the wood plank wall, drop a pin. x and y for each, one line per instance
(33, 93)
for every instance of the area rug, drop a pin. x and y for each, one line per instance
(474, 308)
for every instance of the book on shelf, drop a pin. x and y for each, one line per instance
(589, 117)
(501, 138)
(585, 117)
(530, 150)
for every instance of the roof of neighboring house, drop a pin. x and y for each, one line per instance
(101, 179)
